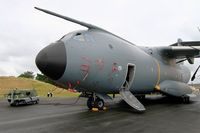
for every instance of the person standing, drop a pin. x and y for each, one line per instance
(48, 94)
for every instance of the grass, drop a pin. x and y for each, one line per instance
(9, 83)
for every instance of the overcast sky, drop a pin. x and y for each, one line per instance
(24, 31)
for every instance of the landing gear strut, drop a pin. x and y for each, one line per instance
(90, 103)
(95, 103)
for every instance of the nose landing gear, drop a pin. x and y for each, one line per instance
(95, 103)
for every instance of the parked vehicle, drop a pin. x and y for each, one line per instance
(26, 96)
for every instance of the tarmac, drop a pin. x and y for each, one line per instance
(60, 115)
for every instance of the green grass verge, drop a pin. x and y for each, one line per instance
(9, 83)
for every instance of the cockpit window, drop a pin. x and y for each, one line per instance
(79, 37)
(62, 37)
(77, 34)
(67, 36)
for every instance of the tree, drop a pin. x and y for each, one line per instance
(44, 78)
(27, 74)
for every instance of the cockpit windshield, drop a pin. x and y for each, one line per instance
(78, 36)
(67, 36)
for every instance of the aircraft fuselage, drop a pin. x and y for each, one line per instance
(98, 62)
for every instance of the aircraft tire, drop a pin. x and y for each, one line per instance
(99, 103)
(24, 102)
(16, 103)
(36, 102)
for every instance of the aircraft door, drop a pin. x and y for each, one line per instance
(125, 89)
(129, 76)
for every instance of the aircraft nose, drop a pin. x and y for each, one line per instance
(52, 60)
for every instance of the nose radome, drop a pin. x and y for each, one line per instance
(52, 60)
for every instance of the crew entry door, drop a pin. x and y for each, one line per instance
(125, 89)
(129, 76)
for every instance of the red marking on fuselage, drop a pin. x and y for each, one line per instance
(114, 67)
(78, 82)
(85, 67)
(69, 85)
(100, 63)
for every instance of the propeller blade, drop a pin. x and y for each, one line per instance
(193, 77)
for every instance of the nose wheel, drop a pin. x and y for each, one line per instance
(95, 103)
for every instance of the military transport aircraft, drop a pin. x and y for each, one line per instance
(97, 63)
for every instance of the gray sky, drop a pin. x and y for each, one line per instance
(24, 31)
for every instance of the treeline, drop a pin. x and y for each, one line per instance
(43, 78)
(40, 77)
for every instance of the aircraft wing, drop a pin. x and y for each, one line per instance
(188, 43)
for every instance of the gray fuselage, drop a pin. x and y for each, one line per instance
(97, 62)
